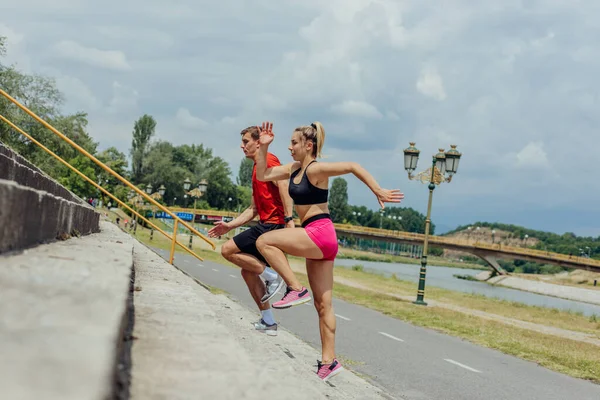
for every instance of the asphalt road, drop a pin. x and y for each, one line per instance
(408, 361)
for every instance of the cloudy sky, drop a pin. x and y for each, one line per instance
(513, 83)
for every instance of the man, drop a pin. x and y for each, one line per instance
(272, 203)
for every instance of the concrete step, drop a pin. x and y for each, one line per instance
(15, 168)
(191, 344)
(63, 309)
(104, 317)
(34, 208)
(29, 217)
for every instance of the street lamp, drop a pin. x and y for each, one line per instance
(149, 189)
(198, 192)
(187, 184)
(443, 168)
(161, 190)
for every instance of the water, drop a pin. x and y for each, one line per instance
(443, 277)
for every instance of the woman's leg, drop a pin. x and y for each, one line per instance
(273, 246)
(320, 277)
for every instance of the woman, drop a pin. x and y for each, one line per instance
(316, 240)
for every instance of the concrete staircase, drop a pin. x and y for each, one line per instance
(101, 316)
(35, 209)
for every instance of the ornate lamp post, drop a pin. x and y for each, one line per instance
(187, 184)
(196, 194)
(443, 168)
(156, 196)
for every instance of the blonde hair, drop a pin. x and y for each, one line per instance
(316, 134)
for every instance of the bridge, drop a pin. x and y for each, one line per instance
(490, 253)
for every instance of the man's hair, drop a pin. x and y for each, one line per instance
(254, 132)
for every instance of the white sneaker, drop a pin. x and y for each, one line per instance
(262, 326)
(273, 287)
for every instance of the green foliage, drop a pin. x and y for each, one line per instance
(244, 197)
(143, 130)
(220, 188)
(338, 200)
(407, 219)
(435, 251)
(244, 177)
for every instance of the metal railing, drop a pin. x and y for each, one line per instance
(475, 245)
(176, 219)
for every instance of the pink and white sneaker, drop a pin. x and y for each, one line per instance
(327, 371)
(293, 298)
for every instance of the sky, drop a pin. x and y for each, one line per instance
(514, 84)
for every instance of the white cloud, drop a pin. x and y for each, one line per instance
(532, 155)
(77, 93)
(228, 120)
(124, 99)
(14, 48)
(392, 116)
(270, 102)
(186, 120)
(356, 109)
(430, 84)
(109, 59)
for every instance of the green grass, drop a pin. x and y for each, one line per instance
(574, 321)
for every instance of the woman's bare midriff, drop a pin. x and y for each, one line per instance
(305, 212)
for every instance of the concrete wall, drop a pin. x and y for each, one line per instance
(35, 209)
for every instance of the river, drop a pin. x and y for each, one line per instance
(443, 277)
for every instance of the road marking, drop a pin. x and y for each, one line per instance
(233, 276)
(461, 365)
(342, 317)
(391, 337)
(216, 270)
(186, 261)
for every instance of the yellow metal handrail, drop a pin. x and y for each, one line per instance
(110, 171)
(97, 186)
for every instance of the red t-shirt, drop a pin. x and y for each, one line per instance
(266, 196)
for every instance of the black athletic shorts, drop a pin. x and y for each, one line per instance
(246, 241)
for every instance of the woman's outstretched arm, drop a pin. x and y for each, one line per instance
(325, 170)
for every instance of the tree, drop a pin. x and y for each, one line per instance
(338, 200)
(143, 130)
(244, 177)
(220, 188)
(114, 159)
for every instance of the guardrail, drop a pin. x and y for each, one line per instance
(177, 220)
(476, 245)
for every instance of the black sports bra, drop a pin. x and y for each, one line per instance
(305, 193)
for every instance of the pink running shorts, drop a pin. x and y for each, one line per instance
(321, 231)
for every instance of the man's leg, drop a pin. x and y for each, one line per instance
(256, 287)
(251, 267)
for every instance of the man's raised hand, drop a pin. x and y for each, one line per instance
(266, 133)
